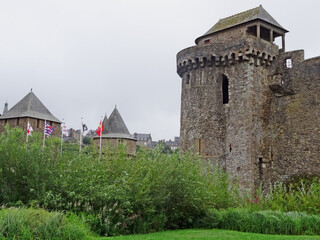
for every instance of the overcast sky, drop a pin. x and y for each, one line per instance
(83, 57)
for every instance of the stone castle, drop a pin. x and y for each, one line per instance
(247, 104)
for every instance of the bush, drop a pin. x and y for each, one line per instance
(115, 194)
(301, 196)
(266, 222)
(39, 224)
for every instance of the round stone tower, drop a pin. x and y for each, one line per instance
(224, 86)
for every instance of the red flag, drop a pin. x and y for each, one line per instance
(100, 129)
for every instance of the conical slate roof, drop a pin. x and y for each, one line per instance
(115, 126)
(30, 106)
(243, 17)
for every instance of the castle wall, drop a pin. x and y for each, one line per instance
(112, 144)
(295, 123)
(37, 125)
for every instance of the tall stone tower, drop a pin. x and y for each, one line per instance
(233, 81)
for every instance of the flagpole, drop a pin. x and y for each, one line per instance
(44, 133)
(62, 134)
(81, 134)
(27, 131)
(100, 136)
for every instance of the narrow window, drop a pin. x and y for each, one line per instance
(225, 89)
(289, 63)
(188, 79)
(38, 123)
(207, 41)
(260, 168)
(17, 121)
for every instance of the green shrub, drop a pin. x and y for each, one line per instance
(301, 196)
(266, 222)
(40, 224)
(115, 194)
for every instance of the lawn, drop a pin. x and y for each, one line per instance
(209, 234)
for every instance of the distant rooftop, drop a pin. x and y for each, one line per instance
(30, 106)
(114, 126)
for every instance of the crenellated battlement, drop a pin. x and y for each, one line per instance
(253, 56)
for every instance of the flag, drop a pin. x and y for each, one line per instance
(84, 127)
(100, 129)
(48, 129)
(29, 130)
(64, 129)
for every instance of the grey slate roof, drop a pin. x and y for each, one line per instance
(244, 17)
(105, 124)
(30, 106)
(114, 127)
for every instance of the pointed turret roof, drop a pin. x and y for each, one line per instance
(5, 109)
(258, 13)
(114, 126)
(105, 123)
(30, 106)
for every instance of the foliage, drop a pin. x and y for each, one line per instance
(167, 150)
(87, 140)
(301, 196)
(266, 222)
(115, 194)
(39, 224)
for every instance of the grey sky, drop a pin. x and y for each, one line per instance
(83, 57)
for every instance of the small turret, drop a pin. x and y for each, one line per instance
(5, 109)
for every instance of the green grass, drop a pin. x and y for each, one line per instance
(209, 234)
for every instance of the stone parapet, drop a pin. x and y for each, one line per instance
(250, 50)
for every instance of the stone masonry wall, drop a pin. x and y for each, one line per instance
(295, 122)
(113, 144)
(37, 125)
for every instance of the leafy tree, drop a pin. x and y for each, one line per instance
(87, 140)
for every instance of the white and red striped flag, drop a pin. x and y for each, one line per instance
(65, 131)
(29, 130)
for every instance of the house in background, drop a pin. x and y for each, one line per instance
(143, 139)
